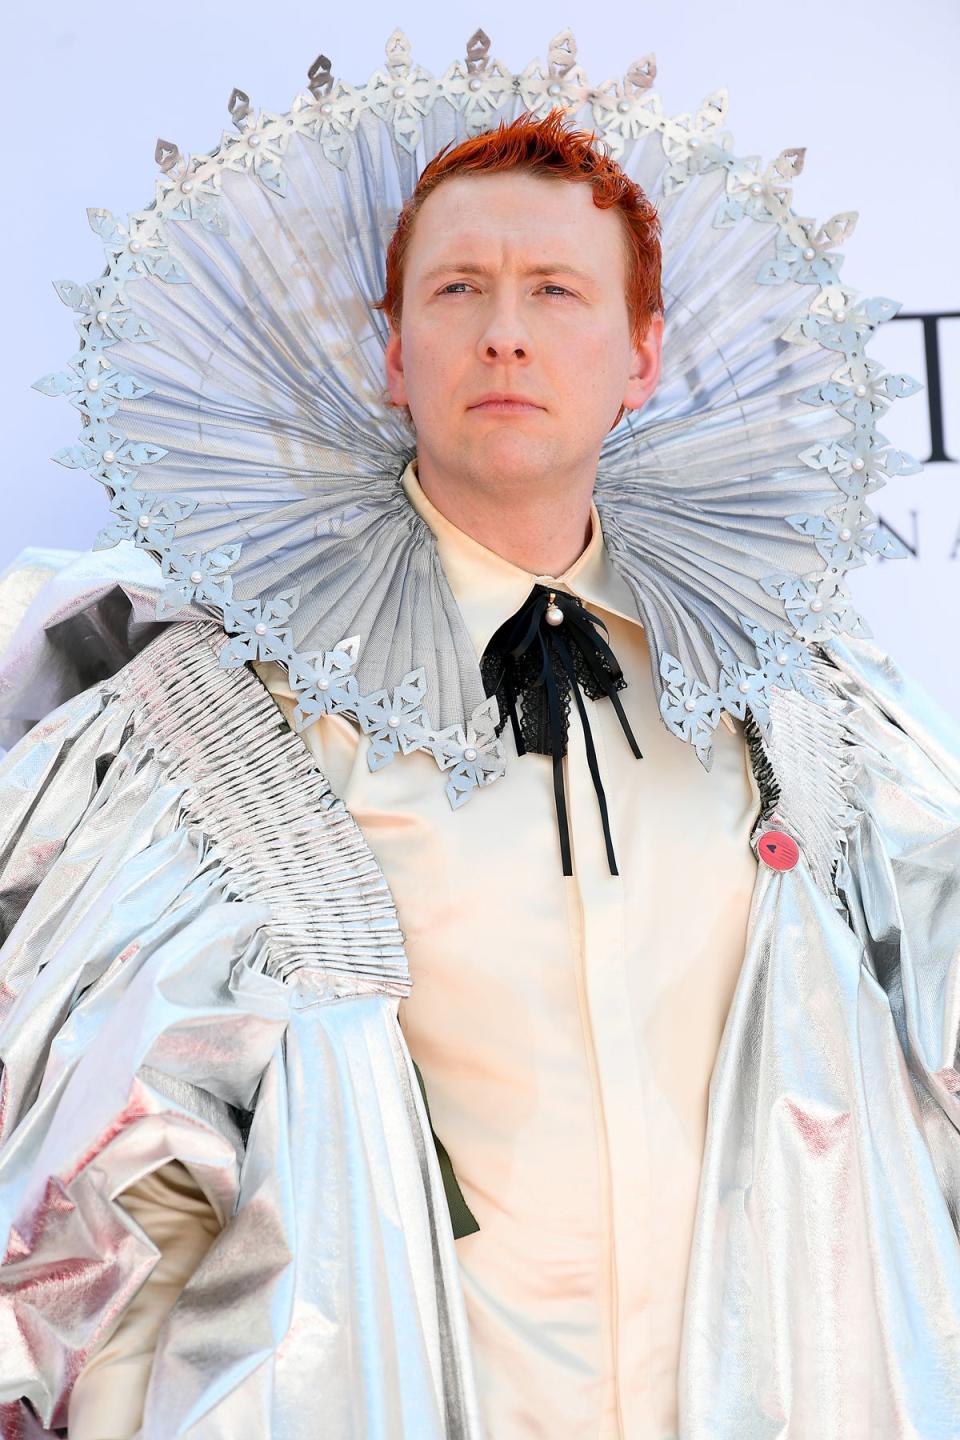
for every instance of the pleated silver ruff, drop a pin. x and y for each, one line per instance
(229, 378)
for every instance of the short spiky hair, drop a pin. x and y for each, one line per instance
(548, 148)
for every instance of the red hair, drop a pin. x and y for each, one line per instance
(544, 147)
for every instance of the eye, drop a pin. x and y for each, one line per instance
(448, 288)
(561, 288)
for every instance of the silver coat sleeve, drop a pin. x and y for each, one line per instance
(202, 963)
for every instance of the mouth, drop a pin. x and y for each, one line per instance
(507, 407)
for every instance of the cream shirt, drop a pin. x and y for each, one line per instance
(565, 1027)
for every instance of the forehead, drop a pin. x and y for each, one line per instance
(514, 218)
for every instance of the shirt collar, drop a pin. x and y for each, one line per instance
(488, 589)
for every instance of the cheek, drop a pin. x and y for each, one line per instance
(592, 364)
(429, 362)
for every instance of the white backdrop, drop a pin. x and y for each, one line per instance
(865, 85)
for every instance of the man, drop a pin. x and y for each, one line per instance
(575, 935)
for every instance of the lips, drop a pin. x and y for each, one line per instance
(505, 402)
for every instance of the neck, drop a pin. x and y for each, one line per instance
(542, 535)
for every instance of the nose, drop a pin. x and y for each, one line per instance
(504, 335)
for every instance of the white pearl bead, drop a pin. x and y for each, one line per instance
(101, 317)
(93, 384)
(135, 246)
(144, 521)
(469, 753)
(326, 108)
(260, 628)
(689, 706)
(399, 91)
(323, 684)
(475, 84)
(623, 106)
(187, 186)
(694, 144)
(809, 253)
(840, 316)
(782, 658)
(744, 687)
(816, 606)
(756, 188)
(394, 722)
(846, 534)
(253, 141)
(196, 576)
(860, 391)
(108, 457)
(553, 615)
(859, 463)
(553, 89)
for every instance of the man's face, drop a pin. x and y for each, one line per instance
(476, 319)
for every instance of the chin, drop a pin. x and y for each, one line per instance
(512, 454)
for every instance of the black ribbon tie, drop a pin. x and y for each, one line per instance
(553, 648)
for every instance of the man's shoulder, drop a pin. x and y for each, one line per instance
(886, 694)
(73, 619)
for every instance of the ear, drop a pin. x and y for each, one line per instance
(393, 364)
(645, 369)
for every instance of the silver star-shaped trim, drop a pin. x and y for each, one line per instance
(785, 661)
(477, 86)
(689, 708)
(330, 119)
(191, 190)
(195, 576)
(103, 315)
(695, 143)
(759, 194)
(394, 720)
(472, 753)
(325, 682)
(624, 110)
(258, 629)
(564, 83)
(816, 604)
(107, 455)
(402, 94)
(92, 385)
(803, 254)
(139, 248)
(149, 521)
(742, 687)
(260, 149)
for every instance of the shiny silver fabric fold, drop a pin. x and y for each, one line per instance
(823, 1296)
(149, 1010)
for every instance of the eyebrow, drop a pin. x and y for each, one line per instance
(467, 267)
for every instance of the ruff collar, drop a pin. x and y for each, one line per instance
(230, 383)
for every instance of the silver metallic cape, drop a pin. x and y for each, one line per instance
(202, 961)
(171, 986)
